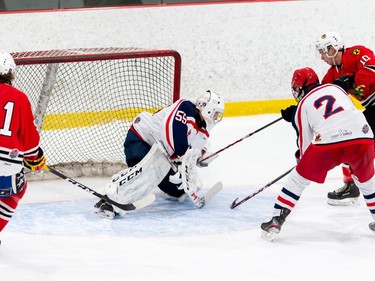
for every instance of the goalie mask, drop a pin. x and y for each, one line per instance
(211, 106)
(329, 40)
(303, 81)
(7, 64)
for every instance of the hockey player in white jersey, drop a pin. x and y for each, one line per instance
(330, 131)
(174, 137)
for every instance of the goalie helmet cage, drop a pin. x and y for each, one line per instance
(84, 101)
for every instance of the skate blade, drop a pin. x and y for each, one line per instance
(343, 202)
(268, 236)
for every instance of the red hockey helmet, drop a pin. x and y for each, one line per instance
(302, 80)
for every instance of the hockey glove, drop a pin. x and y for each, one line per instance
(35, 164)
(358, 92)
(346, 82)
(288, 113)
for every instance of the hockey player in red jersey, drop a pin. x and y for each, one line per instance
(19, 141)
(331, 131)
(353, 68)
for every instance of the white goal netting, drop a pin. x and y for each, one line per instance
(85, 99)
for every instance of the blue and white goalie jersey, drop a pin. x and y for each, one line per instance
(176, 126)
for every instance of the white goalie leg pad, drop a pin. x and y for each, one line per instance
(190, 178)
(136, 182)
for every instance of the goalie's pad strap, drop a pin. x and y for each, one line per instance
(135, 182)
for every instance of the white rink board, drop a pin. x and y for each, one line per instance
(245, 51)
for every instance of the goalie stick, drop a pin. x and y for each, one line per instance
(235, 203)
(145, 201)
(201, 201)
(237, 141)
(211, 193)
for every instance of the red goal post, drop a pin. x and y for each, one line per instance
(84, 100)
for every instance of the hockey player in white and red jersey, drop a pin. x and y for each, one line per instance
(19, 141)
(330, 131)
(174, 135)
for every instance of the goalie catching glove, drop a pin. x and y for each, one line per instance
(35, 163)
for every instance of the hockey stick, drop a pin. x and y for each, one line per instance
(239, 140)
(235, 203)
(149, 199)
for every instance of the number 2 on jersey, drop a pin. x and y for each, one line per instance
(329, 111)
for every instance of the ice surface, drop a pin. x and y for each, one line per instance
(54, 235)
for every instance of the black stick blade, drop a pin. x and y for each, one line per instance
(234, 204)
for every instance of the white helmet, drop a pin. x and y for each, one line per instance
(329, 39)
(211, 106)
(7, 64)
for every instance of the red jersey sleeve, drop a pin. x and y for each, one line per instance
(361, 61)
(28, 134)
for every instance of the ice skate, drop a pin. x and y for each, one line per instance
(273, 227)
(344, 196)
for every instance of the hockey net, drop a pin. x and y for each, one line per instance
(84, 101)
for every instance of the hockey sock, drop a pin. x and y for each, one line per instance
(347, 173)
(7, 207)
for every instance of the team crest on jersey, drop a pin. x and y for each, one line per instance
(355, 52)
(365, 129)
(359, 91)
(14, 153)
(318, 138)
